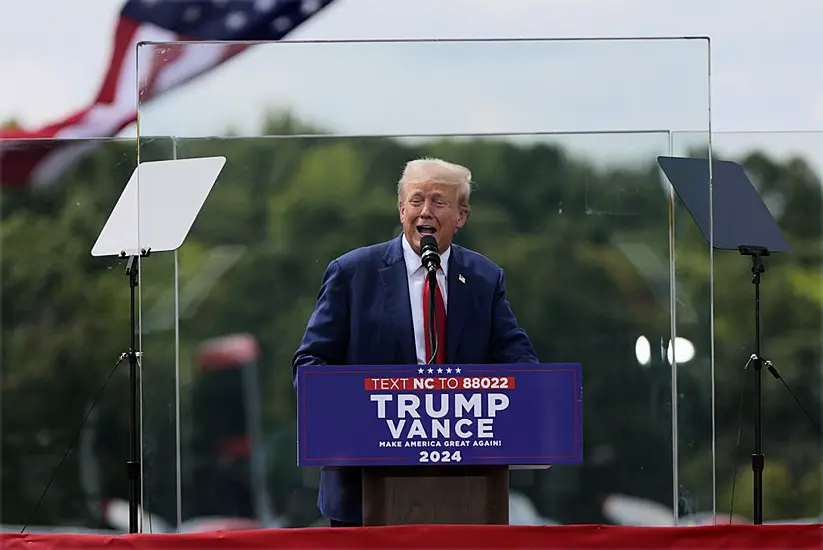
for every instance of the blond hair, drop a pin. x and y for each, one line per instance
(433, 170)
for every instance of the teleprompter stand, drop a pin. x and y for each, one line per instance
(153, 214)
(757, 362)
(133, 463)
(732, 212)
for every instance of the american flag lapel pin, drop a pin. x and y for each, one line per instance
(461, 278)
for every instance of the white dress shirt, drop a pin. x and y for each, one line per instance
(416, 274)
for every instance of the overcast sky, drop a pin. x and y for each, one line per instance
(767, 69)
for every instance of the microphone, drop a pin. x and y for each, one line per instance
(429, 253)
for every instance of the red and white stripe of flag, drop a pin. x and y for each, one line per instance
(37, 158)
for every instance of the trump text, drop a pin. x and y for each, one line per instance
(440, 416)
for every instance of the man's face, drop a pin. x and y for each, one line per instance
(430, 209)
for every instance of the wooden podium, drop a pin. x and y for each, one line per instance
(438, 448)
(414, 495)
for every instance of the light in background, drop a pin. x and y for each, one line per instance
(682, 350)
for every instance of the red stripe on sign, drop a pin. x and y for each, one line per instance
(432, 383)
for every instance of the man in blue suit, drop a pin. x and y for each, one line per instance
(371, 306)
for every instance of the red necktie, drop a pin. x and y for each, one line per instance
(440, 320)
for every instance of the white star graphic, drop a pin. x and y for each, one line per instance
(439, 371)
(419, 371)
(448, 370)
(457, 370)
(431, 371)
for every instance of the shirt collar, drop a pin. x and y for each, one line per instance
(413, 261)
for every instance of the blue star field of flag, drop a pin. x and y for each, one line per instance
(246, 20)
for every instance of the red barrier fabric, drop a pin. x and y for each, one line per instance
(443, 537)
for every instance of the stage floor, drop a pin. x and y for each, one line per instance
(443, 537)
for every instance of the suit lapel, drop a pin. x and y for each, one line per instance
(395, 284)
(459, 307)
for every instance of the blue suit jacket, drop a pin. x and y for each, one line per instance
(363, 317)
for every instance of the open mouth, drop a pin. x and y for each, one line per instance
(426, 229)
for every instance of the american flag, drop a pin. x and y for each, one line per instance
(37, 157)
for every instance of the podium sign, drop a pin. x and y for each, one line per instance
(402, 415)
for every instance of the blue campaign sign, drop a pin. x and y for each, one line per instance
(446, 414)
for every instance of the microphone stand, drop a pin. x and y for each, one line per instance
(431, 280)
